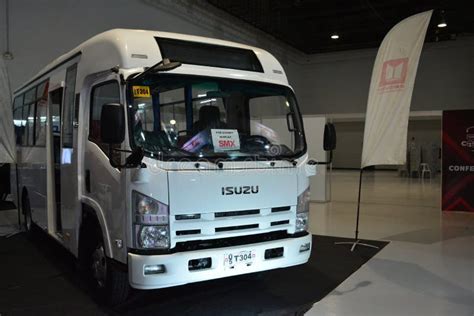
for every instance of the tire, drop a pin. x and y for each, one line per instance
(26, 210)
(109, 282)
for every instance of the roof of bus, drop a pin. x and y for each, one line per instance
(130, 49)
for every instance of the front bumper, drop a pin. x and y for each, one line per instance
(177, 271)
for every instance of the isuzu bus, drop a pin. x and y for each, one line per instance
(161, 159)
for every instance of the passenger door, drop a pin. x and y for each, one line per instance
(68, 161)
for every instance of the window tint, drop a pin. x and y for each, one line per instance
(68, 111)
(209, 54)
(18, 118)
(41, 114)
(30, 116)
(30, 125)
(101, 94)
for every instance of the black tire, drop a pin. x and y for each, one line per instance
(26, 210)
(110, 282)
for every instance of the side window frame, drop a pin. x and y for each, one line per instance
(69, 107)
(101, 145)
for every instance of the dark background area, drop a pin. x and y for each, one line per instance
(308, 24)
(39, 277)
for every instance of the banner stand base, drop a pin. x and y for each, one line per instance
(357, 241)
(355, 244)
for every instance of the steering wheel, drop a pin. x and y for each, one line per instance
(256, 140)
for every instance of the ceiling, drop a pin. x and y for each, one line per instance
(308, 24)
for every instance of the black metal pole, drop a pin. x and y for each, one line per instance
(358, 205)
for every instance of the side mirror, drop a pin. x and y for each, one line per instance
(329, 137)
(112, 123)
(329, 144)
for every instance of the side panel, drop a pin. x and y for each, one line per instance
(103, 186)
(32, 151)
(69, 161)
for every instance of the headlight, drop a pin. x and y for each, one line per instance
(148, 210)
(153, 237)
(302, 211)
(151, 222)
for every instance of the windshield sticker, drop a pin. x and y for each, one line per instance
(225, 139)
(141, 91)
(196, 142)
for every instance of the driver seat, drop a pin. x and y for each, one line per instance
(209, 117)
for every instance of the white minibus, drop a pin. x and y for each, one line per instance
(160, 159)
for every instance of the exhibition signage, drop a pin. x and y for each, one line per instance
(458, 161)
(7, 134)
(225, 139)
(391, 88)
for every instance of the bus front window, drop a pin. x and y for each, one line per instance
(190, 116)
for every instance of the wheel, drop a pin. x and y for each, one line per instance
(109, 282)
(26, 209)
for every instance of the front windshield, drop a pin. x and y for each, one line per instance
(182, 116)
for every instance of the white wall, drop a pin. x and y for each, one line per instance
(41, 31)
(350, 135)
(314, 130)
(339, 82)
(325, 83)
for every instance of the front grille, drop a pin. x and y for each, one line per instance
(280, 223)
(187, 217)
(188, 232)
(231, 223)
(236, 213)
(231, 228)
(229, 242)
(280, 209)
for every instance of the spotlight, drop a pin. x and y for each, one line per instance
(442, 21)
(335, 36)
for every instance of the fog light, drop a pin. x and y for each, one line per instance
(154, 269)
(199, 264)
(305, 247)
(274, 253)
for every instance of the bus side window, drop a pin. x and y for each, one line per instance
(41, 110)
(18, 118)
(107, 92)
(68, 110)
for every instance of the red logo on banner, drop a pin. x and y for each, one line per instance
(394, 74)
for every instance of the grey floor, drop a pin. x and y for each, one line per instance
(428, 267)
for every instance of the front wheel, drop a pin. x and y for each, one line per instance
(109, 281)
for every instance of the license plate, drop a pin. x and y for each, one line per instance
(241, 258)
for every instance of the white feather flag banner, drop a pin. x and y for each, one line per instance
(7, 134)
(391, 89)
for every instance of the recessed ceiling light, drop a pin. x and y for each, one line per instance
(442, 21)
(335, 36)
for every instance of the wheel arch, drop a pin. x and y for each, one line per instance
(92, 208)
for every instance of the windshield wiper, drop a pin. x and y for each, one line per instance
(164, 65)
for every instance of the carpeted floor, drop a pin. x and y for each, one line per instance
(38, 277)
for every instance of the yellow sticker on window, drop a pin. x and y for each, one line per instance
(141, 91)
